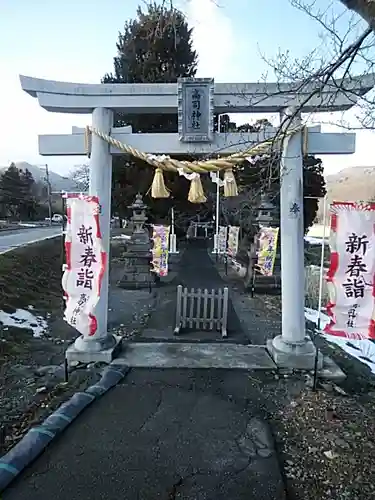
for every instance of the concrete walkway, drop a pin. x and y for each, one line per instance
(163, 434)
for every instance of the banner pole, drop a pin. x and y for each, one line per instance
(320, 296)
(217, 216)
(63, 227)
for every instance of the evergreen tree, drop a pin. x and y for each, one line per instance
(156, 47)
(17, 194)
(264, 176)
(11, 192)
(28, 202)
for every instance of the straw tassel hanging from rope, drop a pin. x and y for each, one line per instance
(230, 184)
(196, 193)
(158, 187)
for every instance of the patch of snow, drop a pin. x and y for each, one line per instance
(312, 315)
(363, 350)
(315, 241)
(238, 268)
(121, 237)
(24, 319)
(25, 224)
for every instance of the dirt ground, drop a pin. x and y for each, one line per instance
(31, 369)
(327, 443)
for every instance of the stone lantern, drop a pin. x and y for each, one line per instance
(268, 216)
(267, 212)
(139, 217)
(137, 257)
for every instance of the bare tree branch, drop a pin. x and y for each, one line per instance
(81, 176)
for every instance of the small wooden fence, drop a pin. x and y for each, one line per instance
(202, 309)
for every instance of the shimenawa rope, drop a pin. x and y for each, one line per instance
(163, 162)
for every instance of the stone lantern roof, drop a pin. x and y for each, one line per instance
(138, 204)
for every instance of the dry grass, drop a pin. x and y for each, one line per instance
(32, 276)
(312, 275)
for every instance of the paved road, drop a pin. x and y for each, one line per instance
(163, 434)
(22, 237)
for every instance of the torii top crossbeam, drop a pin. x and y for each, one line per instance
(142, 98)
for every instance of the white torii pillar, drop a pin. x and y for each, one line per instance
(101, 346)
(292, 349)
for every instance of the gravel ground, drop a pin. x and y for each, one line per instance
(328, 444)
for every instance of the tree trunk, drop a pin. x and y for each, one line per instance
(250, 266)
(365, 8)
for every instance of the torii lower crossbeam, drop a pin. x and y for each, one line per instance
(318, 143)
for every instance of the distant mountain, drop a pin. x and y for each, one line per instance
(351, 184)
(58, 182)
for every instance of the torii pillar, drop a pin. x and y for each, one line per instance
(292, 349)
(102, 346)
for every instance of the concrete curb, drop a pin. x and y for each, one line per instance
(39, 437)
(18, 227)
(10, 229)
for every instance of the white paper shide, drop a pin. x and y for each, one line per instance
(85, 263)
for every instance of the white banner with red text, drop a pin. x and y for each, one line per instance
(350, 277)
(160, 238)
(85, 263)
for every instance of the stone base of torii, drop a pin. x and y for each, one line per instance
(292, 348)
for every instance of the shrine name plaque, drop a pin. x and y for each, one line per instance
(195, 109)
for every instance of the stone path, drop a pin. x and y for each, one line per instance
(195, 270)
(163, 434)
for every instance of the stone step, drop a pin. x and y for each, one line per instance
(195, 355)
(199, 336)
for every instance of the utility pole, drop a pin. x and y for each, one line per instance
(49, 195)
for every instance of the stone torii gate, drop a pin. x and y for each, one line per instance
(292, 348)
